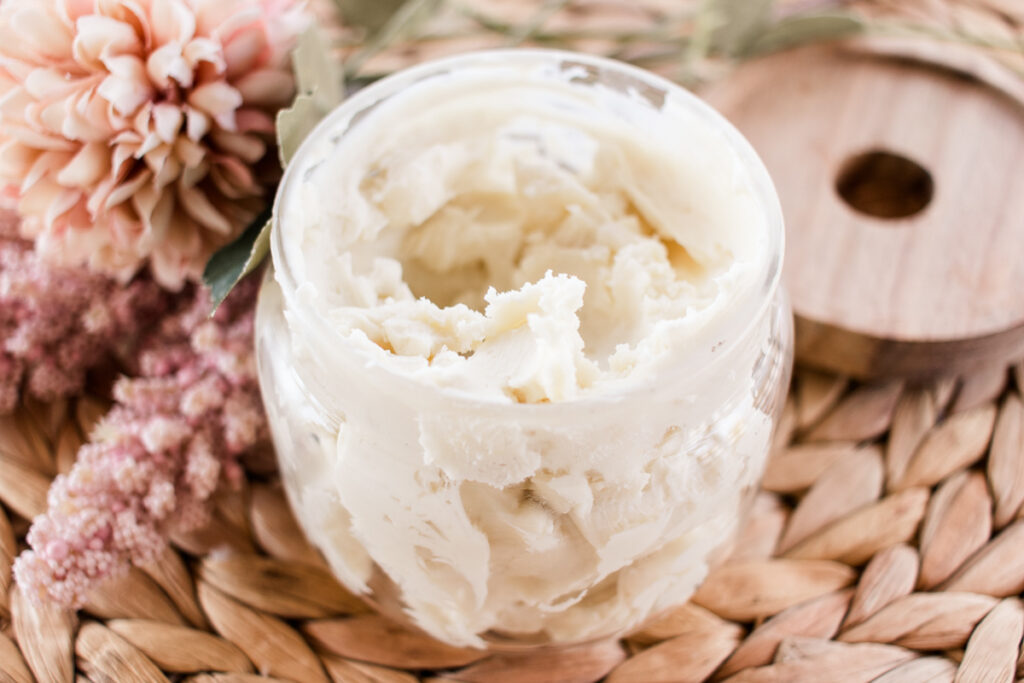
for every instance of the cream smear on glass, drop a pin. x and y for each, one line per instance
(504, 287)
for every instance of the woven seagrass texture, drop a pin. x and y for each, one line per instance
(649, 32)
(887, 543)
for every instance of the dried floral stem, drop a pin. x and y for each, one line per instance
(673, 39)
(158, 457)
(57, 324)
(527, 30)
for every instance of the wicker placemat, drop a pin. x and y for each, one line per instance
(887, 544)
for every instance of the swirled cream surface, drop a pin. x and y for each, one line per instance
(503, 236)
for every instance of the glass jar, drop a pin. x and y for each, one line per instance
(506, 520)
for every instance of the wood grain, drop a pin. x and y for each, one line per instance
(917, 296)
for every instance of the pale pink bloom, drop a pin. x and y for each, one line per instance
(158, 457)
(135, 131)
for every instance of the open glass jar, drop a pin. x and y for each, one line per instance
(524, 344)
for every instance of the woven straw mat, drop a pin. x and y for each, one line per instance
(887, 544)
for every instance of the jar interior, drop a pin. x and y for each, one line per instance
(485, 216)
(496, 453)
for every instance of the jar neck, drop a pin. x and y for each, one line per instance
(716, 344)
(704, 384)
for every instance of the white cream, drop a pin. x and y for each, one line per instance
(503, 235)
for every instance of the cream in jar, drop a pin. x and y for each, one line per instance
(516, 378)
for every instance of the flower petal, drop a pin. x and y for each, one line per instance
(166, 63)
(127, 87)
(169, 172)
(223, 28)
(125, 190)
(87, 118)
(125, 228)
(47, 82)
(98, 200)
(129, 12)
(45, 165)
(53, 115)
(215, 98)
(149, 143)
(172, 20)
(156, 210)
(70, 10)
(16, 159)
(167, 120)
(204, 50)
(246, 147)
(123, 153)
(190, 153)
(16, 68)
(38, 139)
(47, 201)
(196, 123)
(267, 87)
(14, 102)
(244, 51)
(192, 175)
(233, 178)
(41, 31)
(254, 121)
(87, 167)
(62, 203)
(98, 38)
(197, 205)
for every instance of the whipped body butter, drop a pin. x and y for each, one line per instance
(524, 344)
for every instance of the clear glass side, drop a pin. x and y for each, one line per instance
(323, 466)
(578, 520)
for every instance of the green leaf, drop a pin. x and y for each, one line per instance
(233, 262)
(735, 24)
(370, 14)
(316, 73)
(806, 28)
(402, 24)
(294, 124)
(407, 20)
(321, 88)
(320, 85)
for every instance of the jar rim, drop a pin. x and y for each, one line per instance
(345, 113)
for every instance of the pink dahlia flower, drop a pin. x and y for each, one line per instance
(139, 130)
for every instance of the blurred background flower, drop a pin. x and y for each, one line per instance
(57, 324)
(140, 131)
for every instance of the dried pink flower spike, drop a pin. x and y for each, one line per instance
(156, 459)
(57, 323)
(132, 131)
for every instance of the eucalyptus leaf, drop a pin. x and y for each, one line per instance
(369, 14)
(806, 28)
(404, 23)
(294, 124)
(321, 85)
(316, 73)
(233, 262)
(735, 24)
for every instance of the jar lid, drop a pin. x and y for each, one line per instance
(903, 192)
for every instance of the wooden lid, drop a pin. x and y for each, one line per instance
(902, 185)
